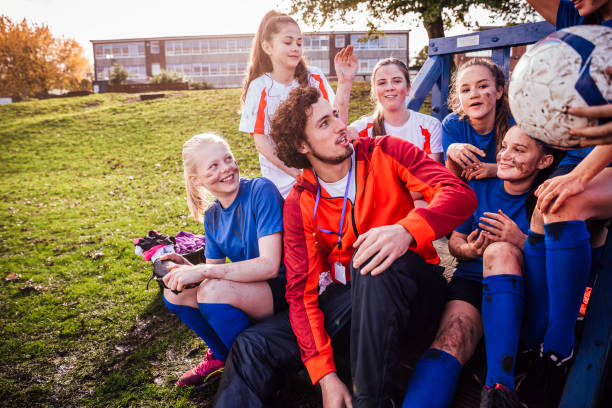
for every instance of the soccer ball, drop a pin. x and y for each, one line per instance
(564, 69)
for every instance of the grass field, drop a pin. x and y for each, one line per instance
(80, 178)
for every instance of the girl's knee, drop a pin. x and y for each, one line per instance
(573, 208)
(214, 291)
(502, 258)
(184, 298)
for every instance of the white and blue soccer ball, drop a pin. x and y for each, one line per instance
(564, 69)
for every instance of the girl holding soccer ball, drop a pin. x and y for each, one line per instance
(472, 134)
(277, 67)
(567, 233)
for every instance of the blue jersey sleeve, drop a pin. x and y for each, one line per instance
(267, 207)
(567, 15)
(451, 132)
(211, 249)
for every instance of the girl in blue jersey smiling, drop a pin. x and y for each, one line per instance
(242, 224)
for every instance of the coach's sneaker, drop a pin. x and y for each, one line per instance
(499, 396)
(202, 372)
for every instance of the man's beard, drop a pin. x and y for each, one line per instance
(332, 159)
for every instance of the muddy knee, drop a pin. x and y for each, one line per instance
(502, 258)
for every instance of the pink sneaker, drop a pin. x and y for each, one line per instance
(202, 372)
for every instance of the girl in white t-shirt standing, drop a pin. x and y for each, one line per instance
(277, 67)
(390, 88)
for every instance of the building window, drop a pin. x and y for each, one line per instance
(322, 64)
(392, 42)
(315, 42)
(125, 50)
(339, 41)
(366, 66)
(154, 47)
(212, 46)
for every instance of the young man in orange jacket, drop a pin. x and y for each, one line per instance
(349, 220)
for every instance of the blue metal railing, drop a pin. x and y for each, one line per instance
(586, 379)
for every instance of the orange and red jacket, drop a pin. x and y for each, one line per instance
(387, 169)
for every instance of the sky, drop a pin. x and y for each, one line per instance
(85, 20)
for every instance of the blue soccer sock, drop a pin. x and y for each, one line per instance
(196, 322)
(536, 291)
(568, 264)
(433, 381)
(502, 312)
(226, 320)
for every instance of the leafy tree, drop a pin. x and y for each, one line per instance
(118, 75)
(435, 14)
(72, 65)
(421, 57)
(32, 62)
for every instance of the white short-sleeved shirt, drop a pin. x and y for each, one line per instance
(263, 97)
(421, 130)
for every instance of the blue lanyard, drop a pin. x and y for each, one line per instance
(346, 190)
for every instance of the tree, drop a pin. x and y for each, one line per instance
(421, 57)
(32, 62)
(118, 75)
(435, 14)
(73, 66)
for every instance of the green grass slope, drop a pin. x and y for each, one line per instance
(79, 179)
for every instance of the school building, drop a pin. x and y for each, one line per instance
(221, 60)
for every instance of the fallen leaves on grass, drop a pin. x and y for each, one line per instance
(31, 288)
(94, 255)
(11, 277)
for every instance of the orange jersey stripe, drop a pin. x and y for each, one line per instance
(261, 115)
(364, 132)
(321, 86)
(427, 135)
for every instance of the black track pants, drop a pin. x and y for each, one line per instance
(402, 300)
(264, 354)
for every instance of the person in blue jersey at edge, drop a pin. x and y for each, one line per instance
(497, 230)
(567, 230)
(243, 224)
(472, 134)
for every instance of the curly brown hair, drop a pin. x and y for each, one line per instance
(288, 124)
